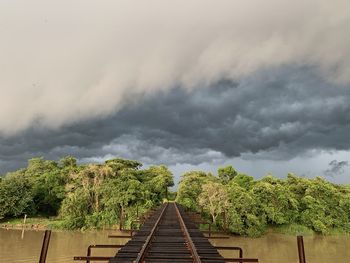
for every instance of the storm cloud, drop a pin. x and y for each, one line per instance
(186, 82)
(275, 114)
(63, 62)
(336, 168)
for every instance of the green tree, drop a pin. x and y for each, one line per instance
(245, 216)
(16, 197)
(118, 165)
(190, 187)
(91, 178)
(161, 180)
(322, 207)
(68, 161)
(244, 180)
(214, 198)
(48, 185)
(120, 194)
(75, 208)
(275, 200)
(226, 174)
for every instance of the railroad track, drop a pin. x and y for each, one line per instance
(168, 236)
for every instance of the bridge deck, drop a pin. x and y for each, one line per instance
(168, 236)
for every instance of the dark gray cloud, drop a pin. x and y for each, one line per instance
(273, 114)
(336, 168)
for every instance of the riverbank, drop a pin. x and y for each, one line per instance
(295, 229)
(55, 223)
(38, 223)
(288, 230)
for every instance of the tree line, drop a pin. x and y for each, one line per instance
(102, 195)
(83, 196)
(245, 206)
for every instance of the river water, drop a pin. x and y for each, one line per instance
(271, 248)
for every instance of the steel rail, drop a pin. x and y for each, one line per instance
(196, 258)
(143, 251)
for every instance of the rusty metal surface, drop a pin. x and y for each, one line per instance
(187, 236)
(301, 251)
(45, 246)
(144, 250)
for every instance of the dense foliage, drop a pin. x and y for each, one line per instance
(247, 206)
(84, 196)
(102, 195)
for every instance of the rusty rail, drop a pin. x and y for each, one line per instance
(187, 235)
(88, 256)
(120, 236)
(142, 253)
(94, 258)
(231, 248)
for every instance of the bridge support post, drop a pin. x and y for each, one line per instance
(301, 251)
(45, 246)
(121, 218)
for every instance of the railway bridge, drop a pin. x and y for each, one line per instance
(168, 235)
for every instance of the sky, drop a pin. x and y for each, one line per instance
(195, 85)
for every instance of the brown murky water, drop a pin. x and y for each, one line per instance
(272, 248)
(277, 248)
(64, 245)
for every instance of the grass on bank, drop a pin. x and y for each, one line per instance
(57, 223)
(290, 229)
(33, 222)
(295, 229)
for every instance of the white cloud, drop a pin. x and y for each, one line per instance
(129, 147)
(310, 165)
